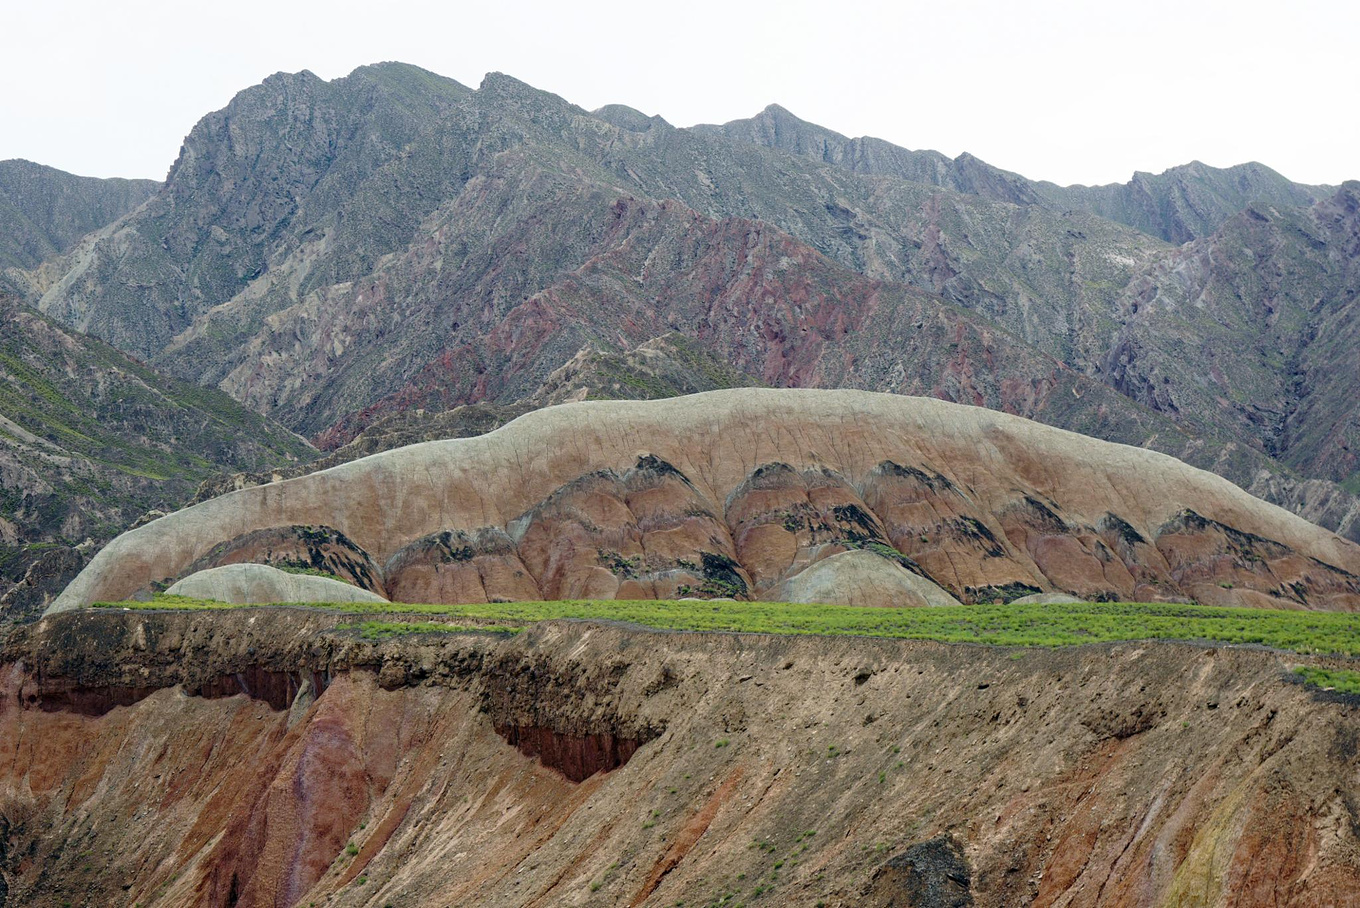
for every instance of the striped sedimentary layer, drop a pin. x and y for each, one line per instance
(889, 499)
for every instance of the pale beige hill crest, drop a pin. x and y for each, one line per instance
(1028, 498)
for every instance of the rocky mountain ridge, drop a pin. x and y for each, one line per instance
(394, 240)
(44, 211)
(1178, 205)
(418, 213)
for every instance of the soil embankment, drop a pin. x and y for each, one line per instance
(259, 758)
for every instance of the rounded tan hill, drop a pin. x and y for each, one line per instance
(260, 584)
(862, 578)
(736, 493)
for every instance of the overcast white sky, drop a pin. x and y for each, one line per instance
(1074, 92)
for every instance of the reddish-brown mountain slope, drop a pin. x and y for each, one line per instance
(738, 493)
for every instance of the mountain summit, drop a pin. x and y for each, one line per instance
(331, 253)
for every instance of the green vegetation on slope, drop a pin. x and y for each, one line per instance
(998, 625)
(92, 439)
(1346, 682)
(386, 630)
(1352, 484)
(309, 571)
(44, 210)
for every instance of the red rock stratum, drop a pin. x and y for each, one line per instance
(738, 493)
(262, 758)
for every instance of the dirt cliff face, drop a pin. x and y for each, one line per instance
(737, 494)
(261, 758)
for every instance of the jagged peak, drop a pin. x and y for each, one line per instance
(782, 114)
(390, 71)
(303, 76)
(629, 118)
(499, 86)
(384, 66)
(1199, 169)
(499, 81)
(1346, 197)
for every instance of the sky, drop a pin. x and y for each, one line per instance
(1073, 92)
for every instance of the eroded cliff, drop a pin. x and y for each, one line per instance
(596, 765)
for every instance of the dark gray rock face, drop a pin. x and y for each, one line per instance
(34, 579)
(930, 874)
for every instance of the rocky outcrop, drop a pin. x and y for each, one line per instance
(932, 874)
(862, 578)
(738, 494)
(256, 584)
(1315, 500)
(155, 759)
(34, 576)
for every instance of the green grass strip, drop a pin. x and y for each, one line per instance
(1001, 625)
(386, 630)
(1346, 682)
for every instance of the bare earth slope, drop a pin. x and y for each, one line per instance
(576, 764)
(734, 493)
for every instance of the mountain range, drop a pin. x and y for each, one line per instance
(90, 440)
(44, 211)
(387, 247)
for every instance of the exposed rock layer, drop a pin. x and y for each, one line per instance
(736, 493)
(842, 771)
